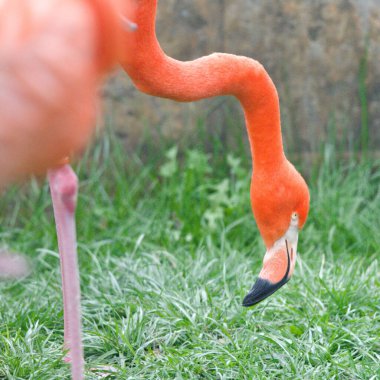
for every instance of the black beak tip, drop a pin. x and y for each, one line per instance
(261, 290)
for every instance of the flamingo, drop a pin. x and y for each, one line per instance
(279, 194)
(53, 55)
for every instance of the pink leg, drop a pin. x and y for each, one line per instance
(64, 188)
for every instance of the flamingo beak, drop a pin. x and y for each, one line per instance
(278, 267)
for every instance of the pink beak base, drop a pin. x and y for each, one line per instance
(263, 287)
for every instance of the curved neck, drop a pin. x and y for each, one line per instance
(264, 128)
(217, 74)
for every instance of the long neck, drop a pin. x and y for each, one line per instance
(217, 74)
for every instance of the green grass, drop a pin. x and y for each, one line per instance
(168, 248)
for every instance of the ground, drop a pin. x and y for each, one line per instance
(168, 248)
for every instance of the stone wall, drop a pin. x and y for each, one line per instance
(323, 55)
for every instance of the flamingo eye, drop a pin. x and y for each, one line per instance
(294, 220)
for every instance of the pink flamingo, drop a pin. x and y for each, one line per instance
(53, 56)
(279, 195)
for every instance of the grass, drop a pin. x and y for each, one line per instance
(168, 249)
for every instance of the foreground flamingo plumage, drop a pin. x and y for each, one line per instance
(279, 195)
(48, 106)
(53, 55)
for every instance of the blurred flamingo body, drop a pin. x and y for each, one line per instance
(52, 57)
(279, 195)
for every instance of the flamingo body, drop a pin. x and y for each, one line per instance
(52, 55)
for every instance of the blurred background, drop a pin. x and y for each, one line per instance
(322, 55)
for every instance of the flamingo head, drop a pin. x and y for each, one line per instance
(280, 204)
